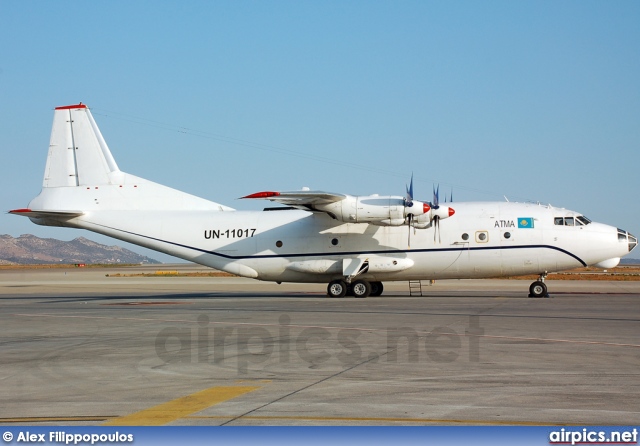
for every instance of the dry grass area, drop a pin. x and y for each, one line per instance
(212, 273)
(68, 265)
(619, 273)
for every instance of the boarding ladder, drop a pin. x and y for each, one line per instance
(415, 286)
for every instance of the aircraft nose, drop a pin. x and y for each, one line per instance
(626, 236)
(633, 241)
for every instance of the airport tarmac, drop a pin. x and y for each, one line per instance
(80, 348)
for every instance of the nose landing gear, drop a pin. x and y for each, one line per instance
(539, 288)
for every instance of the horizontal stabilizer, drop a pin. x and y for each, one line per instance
(62, 215)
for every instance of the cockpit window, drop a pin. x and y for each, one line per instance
(632, 242)
(584, 220)
(580, 220)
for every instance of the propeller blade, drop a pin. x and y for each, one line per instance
(450, 199)
(436, 229)
(436, 200)
(409, 199)
(409, 225)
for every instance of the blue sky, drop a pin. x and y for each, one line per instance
(533, 100)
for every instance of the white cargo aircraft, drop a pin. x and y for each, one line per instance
(353, 243)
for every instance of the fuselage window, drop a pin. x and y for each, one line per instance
(465, 236)
(568, 221)
(558, 221)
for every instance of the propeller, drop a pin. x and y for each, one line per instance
(436, 218)
(415, 209)
(409, 203)
(438, 214)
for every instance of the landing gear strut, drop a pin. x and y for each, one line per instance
(539, 288)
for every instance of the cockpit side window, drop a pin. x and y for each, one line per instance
(584, 220)
(580, 220)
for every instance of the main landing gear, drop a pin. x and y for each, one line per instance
(539, 288)
(358, 288)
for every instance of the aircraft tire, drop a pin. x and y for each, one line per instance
(337, 288)
(361, 288)
(376, 289)
(538, 289)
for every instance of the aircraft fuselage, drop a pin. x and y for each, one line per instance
(486, 239)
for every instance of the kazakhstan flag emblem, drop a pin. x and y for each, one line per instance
(526, 222)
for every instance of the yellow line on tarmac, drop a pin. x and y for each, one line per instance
(179, 408)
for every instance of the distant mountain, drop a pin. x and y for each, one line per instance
(630, 261)
(29, 249)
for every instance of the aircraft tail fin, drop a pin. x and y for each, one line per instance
(81, 175)
(78, 154)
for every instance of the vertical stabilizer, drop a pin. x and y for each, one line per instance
(82, 175)
(78, 154)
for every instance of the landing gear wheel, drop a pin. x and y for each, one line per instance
(337, 288)
(538, 289)
(376, 289)
(361, 288)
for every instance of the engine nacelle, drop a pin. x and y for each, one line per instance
(380, 210)
(425, 221)
(442, 212)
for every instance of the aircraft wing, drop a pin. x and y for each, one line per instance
(301, 199)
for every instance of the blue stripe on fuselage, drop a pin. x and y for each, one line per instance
(350, 253)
